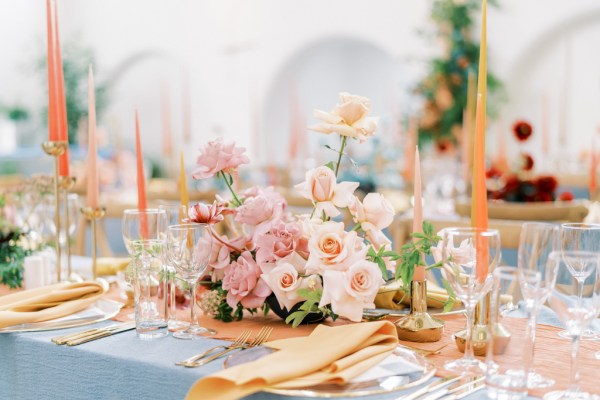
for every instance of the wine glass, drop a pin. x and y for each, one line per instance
(580, 237)
(536, 243)
(174, 214)
(143, 234)
(189, 246)
(467, 255)
(575, 307)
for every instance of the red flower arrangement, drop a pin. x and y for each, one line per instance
(521, 185)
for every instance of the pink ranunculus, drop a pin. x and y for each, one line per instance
(285, 280)
(217, 156)
(351, 291)
(322, 188)
(280, 241)
(348, 118)
(331, 248)
(207, 213)
(243, 283)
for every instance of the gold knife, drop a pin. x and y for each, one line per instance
(100, 334)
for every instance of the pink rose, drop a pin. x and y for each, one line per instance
(279, 242)
(322, 188)
(219, 259)
(349, 118)
(463, 254)
(216, 156)
(243, 283)
(284, 280)
(207, 213)
(260, 209)
(331, 248)
(351, 291)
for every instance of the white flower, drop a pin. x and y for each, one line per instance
(351, 291)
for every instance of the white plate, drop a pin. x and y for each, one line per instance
(403, 369)
(101, 310)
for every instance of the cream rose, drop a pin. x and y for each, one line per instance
(321, 187)
(351, 291)
(374, 214)
(331, 248)
(348, 118)
(462, 254)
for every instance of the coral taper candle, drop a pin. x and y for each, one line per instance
(53, 126)
(482, 74)
(419, 273)
(61, 109)
(479, 206)
(92, 163)
(141, 181)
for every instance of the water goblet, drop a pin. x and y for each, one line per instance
(580, 237)
(576, 308)
(467, 255)
(189, 247)
(536, 243)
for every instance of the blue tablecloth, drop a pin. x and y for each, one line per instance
(118, 367)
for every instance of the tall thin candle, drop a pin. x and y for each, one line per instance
(92, 167)
(63, 132)
(419, 272)
(53, 126)
(141, 181)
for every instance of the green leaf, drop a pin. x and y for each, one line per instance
(382, 267)
(330, 165)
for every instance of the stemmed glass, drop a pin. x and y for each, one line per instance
(174, 214)
(575, 307)
(468, 254)
(536, 243)
(580, 237)
(188, 249)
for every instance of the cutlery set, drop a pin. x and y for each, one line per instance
(447, 389)
(77, 338)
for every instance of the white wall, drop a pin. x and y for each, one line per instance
(236, 52)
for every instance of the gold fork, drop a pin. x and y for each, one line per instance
(262, 336)
(239, 342)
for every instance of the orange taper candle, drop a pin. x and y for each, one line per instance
(53, 126)
(419, 273)
(61, 110)
(479, 206)
(141, 181)
(92, 163)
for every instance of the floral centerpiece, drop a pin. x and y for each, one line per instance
(311, 265)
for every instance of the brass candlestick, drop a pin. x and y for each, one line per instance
(419, 326)
(55, 149)
(93, 214)
(66, 183)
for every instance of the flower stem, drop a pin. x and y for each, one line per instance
(235, 198)
(339, 161)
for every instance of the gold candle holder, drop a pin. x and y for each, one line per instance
(419, 326)
(93, 214)
(66, 183)
(55, 149)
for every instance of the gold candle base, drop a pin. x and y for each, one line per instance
(56, 149)
(501, 338)
(419, 326)
(93, 214)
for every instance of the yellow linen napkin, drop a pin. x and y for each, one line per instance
(48, 302)
(392, 296)
(111, 265)
(332, 355)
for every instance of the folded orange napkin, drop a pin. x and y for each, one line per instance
(332, 355)
(48, 302)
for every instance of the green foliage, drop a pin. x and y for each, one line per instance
(414, 252)
(76, 60)
(12, 255)
(310, 306)
(449, 304)
(449, 72)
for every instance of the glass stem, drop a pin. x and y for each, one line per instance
(469, 355)
(172, 288)
(532, 314)
(194, 321)
(574, 382)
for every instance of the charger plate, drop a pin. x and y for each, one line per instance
(101, 310)
(407, 369)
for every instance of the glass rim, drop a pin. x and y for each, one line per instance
(560, 254)
(137, 211)
(181, 227)
(540, 224)
(580, 225)
(467, 229)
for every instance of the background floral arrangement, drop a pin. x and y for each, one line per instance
(312, 264)
(520, 184)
